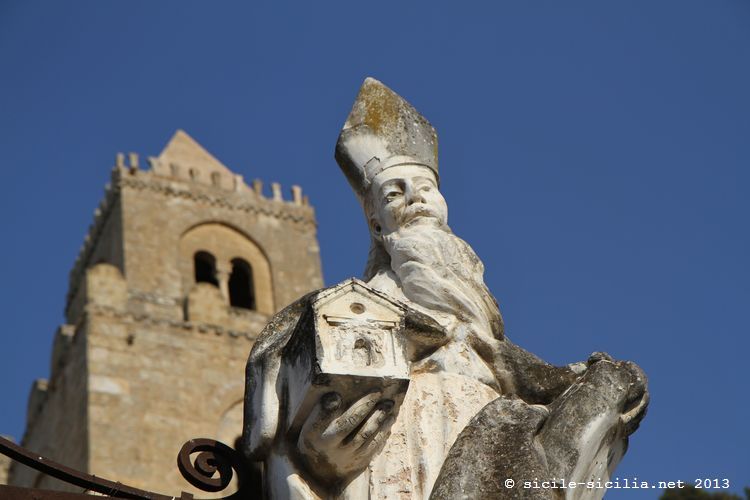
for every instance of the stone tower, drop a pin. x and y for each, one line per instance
(182, 267)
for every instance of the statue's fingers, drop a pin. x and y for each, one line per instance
(342, 426)
(330, 401)
(372, 425)
(375, 444)
(320, 417)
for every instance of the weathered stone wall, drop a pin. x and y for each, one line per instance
(154, 384)
(153, 358)
(57, 416)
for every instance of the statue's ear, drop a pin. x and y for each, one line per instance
(375, 228)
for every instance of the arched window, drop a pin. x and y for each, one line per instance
(205, 268)
(241, 288)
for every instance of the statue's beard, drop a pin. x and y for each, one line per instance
(440, 272)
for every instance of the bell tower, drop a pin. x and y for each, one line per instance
(182, 267)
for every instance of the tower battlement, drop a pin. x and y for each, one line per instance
(185, 170)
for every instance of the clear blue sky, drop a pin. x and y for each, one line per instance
(596, 155)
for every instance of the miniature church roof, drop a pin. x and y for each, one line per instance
(355, 285)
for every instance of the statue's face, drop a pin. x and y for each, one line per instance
(405, 195)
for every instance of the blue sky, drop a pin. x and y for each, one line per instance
(594, 154)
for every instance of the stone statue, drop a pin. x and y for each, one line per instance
(403, 385)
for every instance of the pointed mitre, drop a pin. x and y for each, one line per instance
(383, 131)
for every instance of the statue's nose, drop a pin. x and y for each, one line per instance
(414, 196)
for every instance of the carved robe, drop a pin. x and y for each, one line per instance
(439, 404)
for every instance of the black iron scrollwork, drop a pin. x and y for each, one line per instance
(85, 481)
(214, 459)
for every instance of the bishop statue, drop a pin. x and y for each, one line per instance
(403, 384)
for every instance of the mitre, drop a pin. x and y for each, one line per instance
(383, 131)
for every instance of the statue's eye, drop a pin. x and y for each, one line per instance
(389, 197)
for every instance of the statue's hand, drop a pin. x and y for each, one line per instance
(337, 443)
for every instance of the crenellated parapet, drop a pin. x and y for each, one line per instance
(228, 192)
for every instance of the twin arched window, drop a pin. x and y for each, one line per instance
(241, 292)
(240, 286)
(205, 268)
